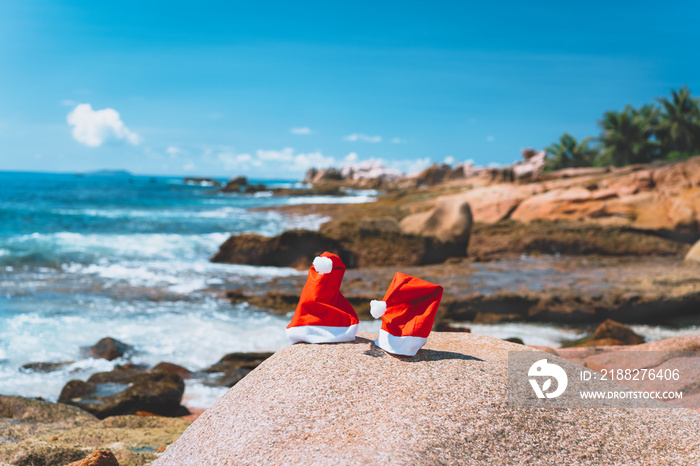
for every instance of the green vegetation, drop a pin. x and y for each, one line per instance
(669, 131)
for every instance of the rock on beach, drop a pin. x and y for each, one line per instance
(693, 256)
(352, 403)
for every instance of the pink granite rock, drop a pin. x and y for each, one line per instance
(352, 403)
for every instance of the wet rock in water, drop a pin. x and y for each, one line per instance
(447, 405)
(201, 181)
(610, 333)
(233, 367)
(515, 340)
(110, 348)
(170, 368)
(316, 190)
(235, 185)
(98, 458)
(295, 248)
(273, 301)
(254, 188)
(126, 391)
(693, 256)
(45, 366)
(358, 243)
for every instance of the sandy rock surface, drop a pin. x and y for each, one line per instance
(355, 404)
(34, 432)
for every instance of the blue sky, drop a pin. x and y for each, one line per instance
(268, 89)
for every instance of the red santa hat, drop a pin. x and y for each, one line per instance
(323, 315)
(408, 312)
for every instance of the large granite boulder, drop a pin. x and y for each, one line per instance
(295, 248)
(355, 404)
(233, 367)
(665, 198)
(490, 204)
(693, 256)
(358, 243)
(450, 221)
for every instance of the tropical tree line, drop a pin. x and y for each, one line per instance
(668, 130)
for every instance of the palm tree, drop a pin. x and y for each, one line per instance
(628, 136)
(678, 128)
(569, 153)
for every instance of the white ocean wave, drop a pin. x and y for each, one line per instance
(223, 212)
(178, 276)
(135, 245)
(190, 334)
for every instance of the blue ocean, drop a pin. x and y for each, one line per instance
(83, 257)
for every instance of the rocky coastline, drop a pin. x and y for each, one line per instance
(604, 243)
(592, 247)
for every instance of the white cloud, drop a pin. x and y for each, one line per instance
(449, 160)
(233, 161)
(362, 137)
(495, 165)
(94, 127)
(173, 151)
(284, 155)
(408, 166)
(69, 103)
(189, 166)
(351, 157)
(305, 130)
(303, 162)
(271, 162)
(490, 138)
(397, 141)
(417, 165)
